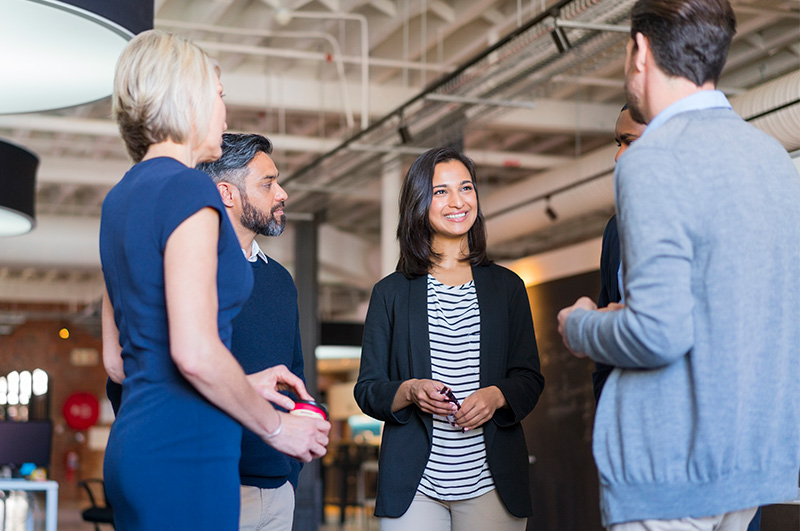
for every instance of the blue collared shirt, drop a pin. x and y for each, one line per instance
(705, 99)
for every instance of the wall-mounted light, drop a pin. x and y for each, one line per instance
(61, 53)
(17, 189)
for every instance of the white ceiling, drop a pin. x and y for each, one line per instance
(293, 70)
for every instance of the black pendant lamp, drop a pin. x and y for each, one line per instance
(17, 189)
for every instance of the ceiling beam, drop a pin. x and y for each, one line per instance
(557, 116)
(493, 16)
(108, 128)
(71, 243)
(506, 159)
(443, 11)
(387, 7)
(83, 171)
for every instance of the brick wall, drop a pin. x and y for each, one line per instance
(36, 344)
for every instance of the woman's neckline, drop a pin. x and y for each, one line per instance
(461, 285)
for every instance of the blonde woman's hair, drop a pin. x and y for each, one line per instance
(164, 89)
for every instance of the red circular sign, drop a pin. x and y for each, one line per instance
(81, 411)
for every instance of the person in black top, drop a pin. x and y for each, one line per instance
(626, 131)
(449, 363)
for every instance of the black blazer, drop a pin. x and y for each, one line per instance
(609, 291)
(396, 348)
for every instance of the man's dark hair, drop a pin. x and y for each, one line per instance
(688, 38)
(238, 151)
(414, 229)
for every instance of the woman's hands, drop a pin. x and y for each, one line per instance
(425, 395)
(479, 407)
(270, 381)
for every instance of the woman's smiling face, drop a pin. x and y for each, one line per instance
(454, 206)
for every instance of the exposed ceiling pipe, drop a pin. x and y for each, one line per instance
(334, 44)
(315, 56)
(362, 20)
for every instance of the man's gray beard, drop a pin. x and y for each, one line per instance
(258, 222)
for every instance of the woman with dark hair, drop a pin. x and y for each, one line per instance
(449, 363)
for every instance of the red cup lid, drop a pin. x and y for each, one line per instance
(310, 405)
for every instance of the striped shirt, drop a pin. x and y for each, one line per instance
(457, 467)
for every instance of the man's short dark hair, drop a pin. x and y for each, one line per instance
(688, 38)
(238, 150)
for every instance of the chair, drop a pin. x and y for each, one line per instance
(366, 484)
(97, 514)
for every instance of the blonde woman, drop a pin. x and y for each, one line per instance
(175, 278)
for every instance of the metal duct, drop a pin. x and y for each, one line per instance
(774, 107)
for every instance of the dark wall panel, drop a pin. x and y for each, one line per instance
(559, 430)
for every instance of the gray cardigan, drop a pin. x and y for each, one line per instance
(703, 416)
(396, 348)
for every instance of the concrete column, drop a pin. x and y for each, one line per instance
(391, 180)
(308, 498)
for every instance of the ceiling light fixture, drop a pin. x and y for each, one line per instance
(548, 210)
(560, 38)
(60, 54)
(17, 189)
(405, 135)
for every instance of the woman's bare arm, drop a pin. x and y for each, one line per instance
(112, 351)
(190, 276)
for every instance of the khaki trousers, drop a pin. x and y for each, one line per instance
(484, 513)
(267, 509)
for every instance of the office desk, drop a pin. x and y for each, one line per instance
(51, 500)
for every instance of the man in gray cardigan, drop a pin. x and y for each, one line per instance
(700, 421)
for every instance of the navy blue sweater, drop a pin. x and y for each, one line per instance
(266, 333)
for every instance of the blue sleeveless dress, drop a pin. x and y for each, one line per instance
(172, 457)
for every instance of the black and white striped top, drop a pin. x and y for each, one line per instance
(457, 467)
